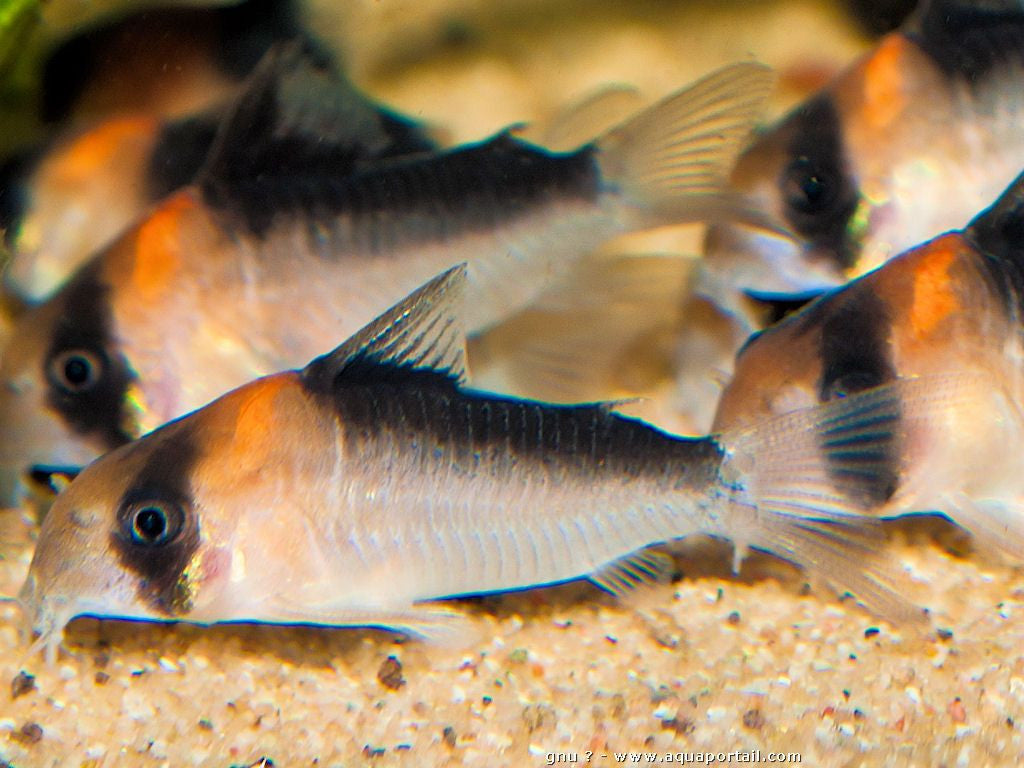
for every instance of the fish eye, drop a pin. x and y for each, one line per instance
(154, 522)
(807, 189)
(75, 370)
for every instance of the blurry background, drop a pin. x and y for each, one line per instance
(470, 66)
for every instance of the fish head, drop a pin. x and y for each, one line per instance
(101, 361)
(774, 374)
(862, 170)
(84, 191)
(116, 542)
(162, 529)
(65, 388)
(935, 308)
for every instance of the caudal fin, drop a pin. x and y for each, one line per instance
(674, 158)
(806, 485)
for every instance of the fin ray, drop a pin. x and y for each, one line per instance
(678, 153)
(423, 332)
(635, 570)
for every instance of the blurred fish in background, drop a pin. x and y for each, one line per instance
(463, 62)
(912, 140)
(137, 105)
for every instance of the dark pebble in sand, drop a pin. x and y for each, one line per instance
(22, 683)
(753, 719)
(449, 737)
(390, 674)
(30, 733)
(101, 678)
(681, 725)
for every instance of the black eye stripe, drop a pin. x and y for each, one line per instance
(808, 188)
(161, 558)
(87, 380)
(856, 355)
(818, 193)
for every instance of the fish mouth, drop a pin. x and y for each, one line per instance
(51, 478)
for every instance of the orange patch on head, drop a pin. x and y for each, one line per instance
(884, 77)
(92, 152)
(157, 257)
(934, 296)
(257, 414)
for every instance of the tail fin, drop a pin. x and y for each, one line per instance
(675, 157)
(806, 484)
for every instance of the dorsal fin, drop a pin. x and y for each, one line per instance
(298, 121)
(421, 336)
(969, 38)
(998, 231)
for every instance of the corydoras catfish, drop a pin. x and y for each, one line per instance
(352, 490)
(911, 141)
(275, 252)
(939, 329)
(58, 209)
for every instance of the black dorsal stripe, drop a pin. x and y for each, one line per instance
(165, 476)
(84, 324)
(970, 39)
(425, 411)
(469, 188)
(817, 157)
(239, 35)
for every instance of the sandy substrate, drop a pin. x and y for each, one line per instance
(710, 663)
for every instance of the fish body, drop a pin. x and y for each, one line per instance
(82, 192)
(940, 327)
(371, 480)
(272, 253)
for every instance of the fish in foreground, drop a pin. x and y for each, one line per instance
(939, 330)
(86, 188)
(911, 141)
(279, 249)
(371, 480)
